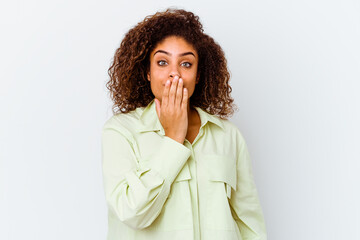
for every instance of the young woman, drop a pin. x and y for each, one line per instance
(174, 167)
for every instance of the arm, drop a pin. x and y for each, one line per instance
(135, 193)
(244, 201)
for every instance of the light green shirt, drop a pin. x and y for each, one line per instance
(157, 188)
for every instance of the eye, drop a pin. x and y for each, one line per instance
(161, 62)
(187, 64)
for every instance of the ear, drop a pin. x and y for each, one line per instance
(197, 78)
(148, 76)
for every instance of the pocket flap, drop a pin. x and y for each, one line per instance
(222, 169)
(184, 174)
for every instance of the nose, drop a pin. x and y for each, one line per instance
(174, 72)
(173, 75)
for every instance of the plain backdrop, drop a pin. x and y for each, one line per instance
(295, 73)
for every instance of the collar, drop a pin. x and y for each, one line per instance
(149, 120)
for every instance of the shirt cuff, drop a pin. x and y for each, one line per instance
(169, 160)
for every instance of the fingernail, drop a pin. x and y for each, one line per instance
(180, 80)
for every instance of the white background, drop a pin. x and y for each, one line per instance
(295, 75)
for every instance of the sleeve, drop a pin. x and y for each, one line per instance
(244, 201)
(136, 193)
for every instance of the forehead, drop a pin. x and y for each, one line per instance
(175, 44)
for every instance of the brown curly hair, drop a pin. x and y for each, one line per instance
(128, 84)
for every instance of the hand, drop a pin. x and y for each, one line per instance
(172, 112)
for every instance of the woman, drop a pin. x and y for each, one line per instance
(174, 167)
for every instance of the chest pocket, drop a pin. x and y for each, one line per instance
(222, 169)
(184, 174)
(177, 210)
(180, 185)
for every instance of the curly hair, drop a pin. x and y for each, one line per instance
(128, 84)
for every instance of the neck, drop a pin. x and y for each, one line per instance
(193, 116)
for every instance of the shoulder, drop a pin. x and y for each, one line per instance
(228, 126)
(121, 121)
(231, 129)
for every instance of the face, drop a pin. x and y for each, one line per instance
(173, 56)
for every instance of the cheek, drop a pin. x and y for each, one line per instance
(158, 74)
(189, 85)
(190, 76)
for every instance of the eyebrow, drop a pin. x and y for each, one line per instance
(180, 55)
